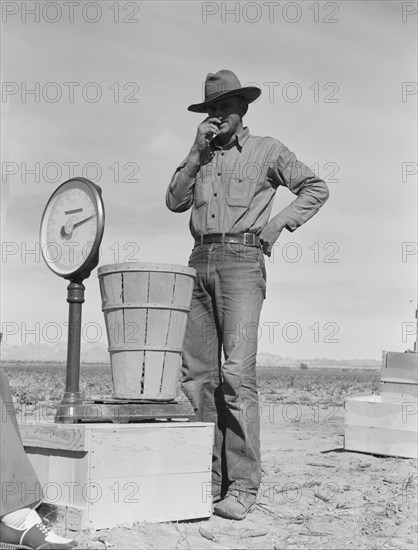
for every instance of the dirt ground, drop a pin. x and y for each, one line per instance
(313, 495)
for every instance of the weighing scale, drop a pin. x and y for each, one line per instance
(71, 231)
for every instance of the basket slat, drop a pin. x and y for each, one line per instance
(113, 288)
(171, 372)
(154, 361)
(177, 328)
(183, 289)
(135, 288)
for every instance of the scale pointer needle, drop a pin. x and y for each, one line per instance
(67, 231)
(83, 221)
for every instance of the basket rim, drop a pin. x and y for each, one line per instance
(150, 267)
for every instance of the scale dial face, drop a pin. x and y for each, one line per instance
(72, 227)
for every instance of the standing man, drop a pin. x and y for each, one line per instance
(229, 179)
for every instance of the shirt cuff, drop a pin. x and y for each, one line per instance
(291, 225)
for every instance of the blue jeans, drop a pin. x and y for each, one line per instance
(227, 298)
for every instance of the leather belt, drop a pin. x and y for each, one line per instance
(249, 239)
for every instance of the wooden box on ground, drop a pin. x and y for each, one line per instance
(387, 424)
(100, 475)
(375, 425)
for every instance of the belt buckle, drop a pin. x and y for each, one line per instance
(252, 243)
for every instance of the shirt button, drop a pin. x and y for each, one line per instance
(213, 215)
(219, 173)
(222, 153)
(215, 194)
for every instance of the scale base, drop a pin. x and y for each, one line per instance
(109, 410)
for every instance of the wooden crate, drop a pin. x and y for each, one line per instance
(387, 424)
(100, 475)
(378, 426)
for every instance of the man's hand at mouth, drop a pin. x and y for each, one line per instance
(206, 131)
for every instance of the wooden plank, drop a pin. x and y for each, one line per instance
(118, 369)
(161, 287)
(404, 375)
(380, 441)
(125, 411)
(135, 326)
(114, 327)
(153, 373)
(183, 288)
(371, 411)
(396, 396)
(63, 475)
(399, 388)
(136, 286)
(152, 498)
(158, 322)
(128, 374)
(135, 319)
(40, 463)
(111, 289)
(399, 368)
(147, 451)
(172, 364)
(399, 360)
(160, 291)
(37, 434)
(177, 329)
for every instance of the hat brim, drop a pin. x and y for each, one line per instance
(250, 93)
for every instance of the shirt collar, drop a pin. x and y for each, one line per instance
(237, 140)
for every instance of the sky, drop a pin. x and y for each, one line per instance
(101, 89)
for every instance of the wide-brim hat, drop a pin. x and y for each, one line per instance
(224, 83)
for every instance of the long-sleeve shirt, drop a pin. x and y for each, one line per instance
(232, 189)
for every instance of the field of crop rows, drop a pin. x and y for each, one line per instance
(35, 384)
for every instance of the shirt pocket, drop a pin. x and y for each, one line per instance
(201, 194)
(239, 192)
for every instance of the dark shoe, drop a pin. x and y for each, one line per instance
(234, 507)
(31, 539)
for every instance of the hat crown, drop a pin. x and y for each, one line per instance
(221, 82)
(224, 84)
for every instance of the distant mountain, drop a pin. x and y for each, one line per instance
(90, 353)
(97, 353)
(272, 360)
